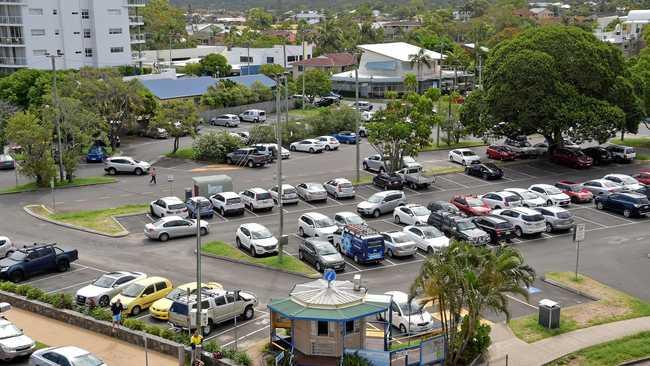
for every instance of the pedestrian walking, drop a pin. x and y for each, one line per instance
(195, 342)
(116, 310)
(152, 173)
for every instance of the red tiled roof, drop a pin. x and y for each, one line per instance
(329, 59)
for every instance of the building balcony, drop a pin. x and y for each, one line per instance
(13, 61)
(11, 19)
(133, 3)
(137, 38)
(13, 2)
(12, 41)
(136, 20)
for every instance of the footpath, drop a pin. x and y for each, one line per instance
(112, 351)
(504, 342)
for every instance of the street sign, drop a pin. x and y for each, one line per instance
(170, 178)
(579, 232)
(329, 275)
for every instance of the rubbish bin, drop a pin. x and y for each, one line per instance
(549, 314)
(188, 193)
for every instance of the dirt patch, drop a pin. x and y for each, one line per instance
(594, 312)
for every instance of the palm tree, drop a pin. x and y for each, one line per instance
(419, 59)
(471, 278)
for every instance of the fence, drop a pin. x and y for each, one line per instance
(268, 106)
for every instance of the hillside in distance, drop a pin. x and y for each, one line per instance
(288, 4)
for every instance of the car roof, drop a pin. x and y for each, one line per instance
(197, 198)
(314, 215)
(633, 194)
(518, 190)
(617, 175)
(228, 115)
(171, 199)
(568, 182)
(70, 351)
(341, 180)
(386, 193)
(319, 243)
(543, 185)
(258, 190)
(118, 274)
(398, 296)
(525, 210)
(412, 205)
(493, 218)
(169, 218)
(346, 213)
(505, 193)
(464, 149)
(555, 209)
(151, 280)
(228, 194)
(253, 226)
(120, 157)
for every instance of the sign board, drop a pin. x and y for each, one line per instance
(170, 178)
(579, 232)
(214, 189)
(329, 275)
(278, 358)
(432, 351)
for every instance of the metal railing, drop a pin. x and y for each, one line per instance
(11, 19)
(17, 2)
(8, 60)
(134, 2)
(137, 37)
(12, 40)
(136, 19)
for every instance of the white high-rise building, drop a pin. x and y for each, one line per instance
(97, 33)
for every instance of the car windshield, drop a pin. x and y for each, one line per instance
(354, 220)
(474, 202)
(204, 204)
(288, 190)
(400, 238)
(176, 293)
(345, 185)
(8, 331)
(133, 290)
(374, 199)
(411, 309)
(18, 256)
(176, 206)
(264, 196)
(420, 211)
(104, 281)
(468, 153)
(609, 183)
(262, 233)
(326, 250)
(86, 360)
(553, 190)
(573, 187)
(564, 215)
(431, 233)
(629, 180)
(533, 218)
(466, 225)
(324, 222)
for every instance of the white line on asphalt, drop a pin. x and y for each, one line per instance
(94, 268)
(611, 214)
(337, 202)
(55, 276)
(150, 218)
(126, 195)
(148, 192)
(308, 204)
(545, 235)
(392, 223)
(353, 266)
(409, 189)
(374, 188)
(524, 174)
(421, 255)
(451, 181)
(80, 200)
(589, 221)
(143, 316)
(251, 212)
(364, 198)
(222, 217)
(239, 325)
(382, 267)
(104, 197)
(246, 335)
(521, 302)
(389, 261)
(298, 237)
(71, 286)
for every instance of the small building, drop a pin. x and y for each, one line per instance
(195, 87)
(541, 13)
(208, 185)
(311, 17)
(331, 63)
(399, 28)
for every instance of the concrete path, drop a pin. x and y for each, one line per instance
(55, 333)
(504, 342)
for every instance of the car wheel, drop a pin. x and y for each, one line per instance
(112, 171)
(526, 205)
(203, 231)
(402, 328)
(549, 227)
(430, 251)
(222, 211)
(599, 205)
(463, 163)
(328, 148)
(292, 148)
(355, 258)
(381, 170)
(627, 212)
(252, 250)
(376, 213)
(163, 237)
(238, 242)
(319, 268)
(365, 166)
(136, 310)
(249, 312)
(17, 276)
(497, 207)
(549, 203)
(397, 219)
(207, 329)
(251, 164)
(301, 232)
(311, 150)
(484, 176)
(300, 255)
(103, 301)
(229, 161)
(389, 253)
(63, 265)
(518, 232)
(138, 171)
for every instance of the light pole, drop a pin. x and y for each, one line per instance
(55, 98)
(278, 132)
(356, 99)
(198, 267)
(440, 85)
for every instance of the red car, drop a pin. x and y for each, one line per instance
(643, 177)
(574, 191)
(500, 152)
(470, 205)
(571, 157)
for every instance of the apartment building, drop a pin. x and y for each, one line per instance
(97, 33)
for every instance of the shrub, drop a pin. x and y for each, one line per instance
(242, 358)
(262, 134)
(100, 314)
(211, 346)
(153, 330)
(214, 146)
(134, 324)
(182, 337)
(22, 289)
(35, 293)
(167, 334)
(49, 298)
(63, 301)
(8, 286)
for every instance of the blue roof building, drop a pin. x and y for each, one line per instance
(165, 89)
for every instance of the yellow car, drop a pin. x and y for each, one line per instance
(141, 294)
(160, 308)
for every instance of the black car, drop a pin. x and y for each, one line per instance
(325, 102)
(388, 181)
(600, 155)
(627, 203)
(444, 206)
(497, 227)
(484, 170)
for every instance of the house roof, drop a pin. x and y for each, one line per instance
(397, 50)
(538, 10)
(638, 16)
(328, 59)
(196, 86)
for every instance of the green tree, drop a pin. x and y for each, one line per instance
(213, 146)
(258, 18)
(6, 111)
(261, 92)
(410, 82)
(193, 69)
(179, 118)
(419, 59)
(623, 94)
(163, 23)
(35, 137)
(475, 279)
(23, 89)
(215, 65)
(272, 70)
(317, 82)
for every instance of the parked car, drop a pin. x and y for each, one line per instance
(625, 181)
(464, 157)
(571, 157)
(248, 156)
(105, 287)
(30, 261)
(257, 199)
(67, 355)
(125, 164)
(541, 148)
(314, 224)
(330, 142)
(551, 194)
(173, 227)
(398, 244)
(526, 221)
(484, 170)
(348, 218)
(497, 200)
(243, 136)
(427, 238)
(154, 133)
(381, 203)
(362, 105)
(271, 150)
(644, 190)
(339, 188)
(309, 145)
(168, 206)
(500, 152)
(361, 243)
(256, 238)
(499, 229)
(415, 177)
(160, 308)
(347, 137)
(96, 154)
(228, 120)
(557, 218)
(325, 102)
(528, 198)
(321, 254)
(411, 214)
(599, 154)
(470, 205)
(459, 227)
(6, 246)
(379, 163)
(388, 181)
(601, 186)
(13, 342)
(628, 203)
(200, 205)
(522, 147)
(643, 177)
(289, 194)
(253, 115)
(576, 192)
(311, 192)
(407, 315)
(443, 206)
(142, 293)
(227, 203)
(367, 116)
(7, 162)
(331, 94)
(622, 154)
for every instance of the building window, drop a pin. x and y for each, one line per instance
(77, 52)
(76, 33)
(36, 11)
(115, 31)
(301, 68)
(88, 52)
(245, 59)
(269, 60)
(323, 329)
(85, 14)
(349, 327)
(117, 49)
(55, 12)
(40, 52)
(86, 33)
(292, 58)
(56, 32)
(38, 32)
(114, 12)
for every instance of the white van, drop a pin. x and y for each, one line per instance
(253, 115)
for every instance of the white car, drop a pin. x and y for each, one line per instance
(411, 214)
(464, 157)
(497, 200)
(427, 238)
(340, 188)
(13, 342)
(168, 206)
(311, 192)
(314, 224)
(253, 115)
(310, 145)
(625, 181)
(526, 221)
(104, 288)
(551, 194)
(408, 317)
(398, 244)
(6, 246)
(227, 203)
(289, 194)
(331, 143)
(348, 218)
(257, 199)
(256, 238)
(529, 198)
(367, 115)
(67, 355)
(125, 164)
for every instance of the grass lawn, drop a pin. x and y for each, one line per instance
(613, 305)
(609, 353)
(98, 220)
(184, 153)
(445, 170)
(633, 142)
(306, 113)
(444, 146)
(288, 263)
(643, 157)
(76, 182)
(40, 345)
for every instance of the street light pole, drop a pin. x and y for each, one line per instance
(198, 266)
(356, 99)
(55, 98)
(304, 57)
(278, 131)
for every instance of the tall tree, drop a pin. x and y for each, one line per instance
(179, 118)
(419, 59)
(410, 82)
(164, 24)
(215, 65)
(258, 18)
(7, 110)
(317, 82)
(35, 137)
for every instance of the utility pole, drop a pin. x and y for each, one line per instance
(440, 85)
(278, 132)
(199, 287)
(304, 57)
(248, 58)
(55, 99)
(356, 99)
(170, 50)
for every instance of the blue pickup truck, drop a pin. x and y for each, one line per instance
(37, 259)
(361, 243)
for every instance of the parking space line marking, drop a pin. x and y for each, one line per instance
(545, 235)
(104, 197)
(409, 189)
(308, 204)
(611, 214)
(389, 261)
(143, 316)
(222, 217)
(374, 188)
(80, 200)
(353, 266)
(589, 221)
(357, 194)
(337, 202)
(126, 195)
(521, 302)
(71, 286)
(421, 255)
(55, 276)
(451, 181)
(239, 325)
(522, 173)
(382, 267)
(249, 211)
(94, 268)
(517, 241)
(392, 223)
(150, 218)
(246, 336)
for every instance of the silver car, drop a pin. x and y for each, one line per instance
(557, 218)
(104, 288)
(173, 227)
(289, 194)
(375, 163)
(13, 343)
(311, 192)
(125, 164)
(381, 203)
(601, 186)
(67, 355)
(348, 218)
(339, 188)
(399, 244)
(228, 120)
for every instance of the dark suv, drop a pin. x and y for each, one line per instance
(37, 259)
(388, 181)
(571, 157)
(627, 203)
(599, 154)
(248, 156)
(497, 227)
(459, 227)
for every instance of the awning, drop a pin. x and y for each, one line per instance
(292, 310)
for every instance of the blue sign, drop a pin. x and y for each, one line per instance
(533, 290)
(329, 275)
